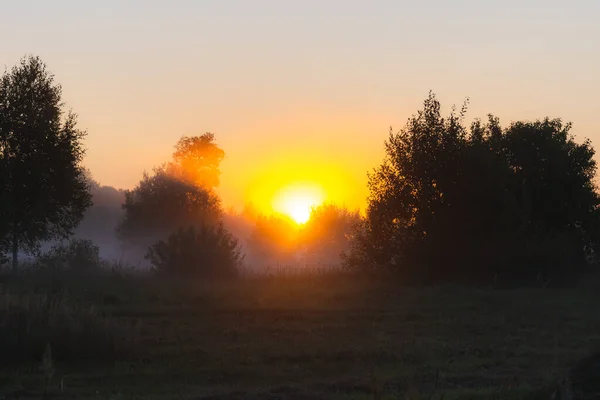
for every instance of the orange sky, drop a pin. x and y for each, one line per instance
(302, 92)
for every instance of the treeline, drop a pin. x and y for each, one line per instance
(450, 202)
(481, 203)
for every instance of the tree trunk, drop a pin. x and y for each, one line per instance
(15, 254)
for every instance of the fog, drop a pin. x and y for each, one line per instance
(270, 243)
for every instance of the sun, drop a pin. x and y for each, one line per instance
(296, 201)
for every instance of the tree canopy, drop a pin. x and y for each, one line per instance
(161, 204)
(450, 202)
(196, 160)
(43, 188)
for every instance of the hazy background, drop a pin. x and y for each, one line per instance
(302, 91)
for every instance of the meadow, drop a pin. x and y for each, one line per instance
(297, 336)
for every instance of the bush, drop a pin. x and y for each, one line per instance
(31, 322)
(207, 251)
(77, 254)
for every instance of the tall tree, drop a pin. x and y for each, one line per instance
(455, 203)
(161, 204)
(197, 159)
(179, 194)
(553, 185)
(43, 188)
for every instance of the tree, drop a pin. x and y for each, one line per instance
(161, 204)
(329, 232)
(196, 160)
(452, 203)
(75, 255)
(408, 192)
(43, 190)
(206, 251)
(553, 185)
(178, 194)
(274, 239)
(102, 218)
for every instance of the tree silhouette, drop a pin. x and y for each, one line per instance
(552, 183)
(161, 204)
(179, 194)
(197, 159)
(329, 232)
(450, 202)
(206, 251)
(43, 189)
(274, 239)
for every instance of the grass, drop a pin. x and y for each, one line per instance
(325, 337)
(30, 324)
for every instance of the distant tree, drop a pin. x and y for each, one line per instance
(178, 194)
(274, 239)
(43, 190)
(455, 203)
(161, 204)
(197, 159)
(329, 232)
(205, 251)
(102, 218)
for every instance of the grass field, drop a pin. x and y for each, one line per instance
(325, 338)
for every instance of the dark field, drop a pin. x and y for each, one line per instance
(324, 338)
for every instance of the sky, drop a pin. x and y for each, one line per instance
(300, 92)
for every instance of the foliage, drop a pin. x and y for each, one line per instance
(43, 190)
(161, 204)
(450, 202)
(205, 251)
(178, 194)
(77, 254)
(196, 160)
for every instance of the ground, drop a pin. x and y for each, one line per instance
(297, 338)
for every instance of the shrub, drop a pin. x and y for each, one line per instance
(207, 251)
(77, 254)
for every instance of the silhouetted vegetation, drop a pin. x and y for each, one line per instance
(274, 240)
(203, 252)
(329, 232)
(161, 204)
(451, 203)
(44, 192)
(179, 194)
(102, 218)
(77, 254)
(197, 160)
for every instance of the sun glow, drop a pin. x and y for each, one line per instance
(297, 200)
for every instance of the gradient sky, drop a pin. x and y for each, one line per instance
(303, 90)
